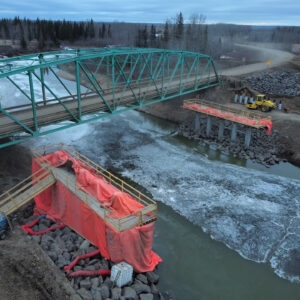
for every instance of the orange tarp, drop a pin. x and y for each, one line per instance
(133, 246)
(229, 116)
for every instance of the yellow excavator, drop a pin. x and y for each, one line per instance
(262, 103)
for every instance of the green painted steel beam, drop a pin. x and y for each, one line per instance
(151, 75)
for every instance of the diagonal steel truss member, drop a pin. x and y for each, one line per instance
(106, 81)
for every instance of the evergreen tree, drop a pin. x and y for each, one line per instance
(41, 42)
(145, 37)
(109, 34)
(153, 36)
(179, 26)
(138, 39)
(166, 32)
(23, 43)
(92, 29)
(102, 31)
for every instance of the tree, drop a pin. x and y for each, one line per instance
(91, 29)
(138, 39)
(179, 26)
(23, 43)
(153, 35)
(102, 31)
(145, 37)
(41, 41)
(166, 32)
(109, 34)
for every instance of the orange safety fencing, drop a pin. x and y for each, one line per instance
(232, 117)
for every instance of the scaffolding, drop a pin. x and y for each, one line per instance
(48, 175)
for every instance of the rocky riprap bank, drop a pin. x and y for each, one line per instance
(64, 245)
(280, 83)
(264, 149)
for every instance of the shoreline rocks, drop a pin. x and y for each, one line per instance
(64, 245)
(264, 149)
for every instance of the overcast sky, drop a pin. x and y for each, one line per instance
(261, 12)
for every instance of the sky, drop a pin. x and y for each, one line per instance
(256, 12)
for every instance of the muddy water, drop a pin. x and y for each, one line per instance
(218, 216)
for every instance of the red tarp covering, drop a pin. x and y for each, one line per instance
(133, 246)
(226, 115)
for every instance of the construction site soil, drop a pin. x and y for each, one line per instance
(26, 271)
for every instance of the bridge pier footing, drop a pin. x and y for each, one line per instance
(248, 137)
(197, 123)
(208, 126)
(233, 132)
(221, 130)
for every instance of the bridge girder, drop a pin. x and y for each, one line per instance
(105, 81)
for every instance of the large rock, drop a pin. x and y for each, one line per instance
(104, 291)
(95, 282)
(84, 245)
(86, 295)
(152, 277)
(146, 297)
(85, 283)
(142, 278)
(141, 288)
(129, 293)
(116, 293)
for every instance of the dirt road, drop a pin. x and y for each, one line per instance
(274, 56)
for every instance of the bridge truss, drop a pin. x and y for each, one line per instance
(72, 87)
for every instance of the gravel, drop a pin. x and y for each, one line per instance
(279, 83)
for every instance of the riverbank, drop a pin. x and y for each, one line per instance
(282, 145)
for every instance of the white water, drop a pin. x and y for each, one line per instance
(252, 212)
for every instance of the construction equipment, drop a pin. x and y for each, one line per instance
(262, 103)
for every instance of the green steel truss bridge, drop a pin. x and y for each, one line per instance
(72, 87)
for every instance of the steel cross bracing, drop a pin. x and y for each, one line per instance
(73, 85)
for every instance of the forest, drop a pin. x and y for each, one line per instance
(192, 34)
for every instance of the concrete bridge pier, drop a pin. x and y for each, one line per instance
(197, 123)
(208, 126)
(233, 132)
(248, 137)
(221, 130)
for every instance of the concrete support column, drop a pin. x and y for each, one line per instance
(233, 132)
(248, 137)
(221, 130)
(197, 123)
(208, 126)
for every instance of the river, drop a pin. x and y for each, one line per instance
(209, 206)
(227, 228)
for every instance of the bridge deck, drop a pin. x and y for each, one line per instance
(54, 112)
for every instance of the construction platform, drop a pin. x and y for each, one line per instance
(48, 175)
(224, 113)
(244, 117)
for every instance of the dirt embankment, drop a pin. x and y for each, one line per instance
(28, 273)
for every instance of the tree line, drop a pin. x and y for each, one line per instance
(192, 34)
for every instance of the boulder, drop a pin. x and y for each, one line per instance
(129, 293)
(116, 293)
(85, 284)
